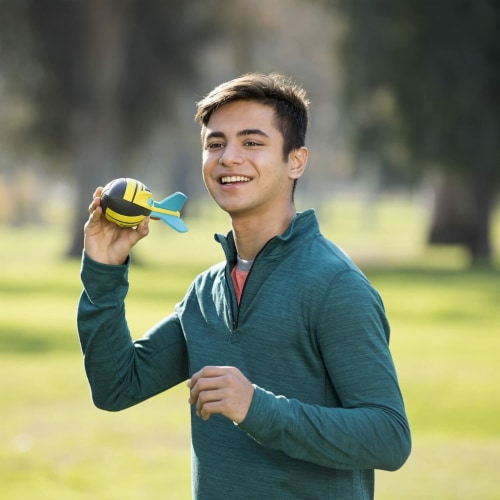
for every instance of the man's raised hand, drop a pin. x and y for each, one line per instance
(104, 241)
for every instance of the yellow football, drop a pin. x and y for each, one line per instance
(117, 202)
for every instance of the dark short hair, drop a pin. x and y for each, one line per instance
(288, 100)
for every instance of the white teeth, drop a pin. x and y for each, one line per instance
(234, 178)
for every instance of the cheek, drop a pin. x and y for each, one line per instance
(204, 174)
(204, 158)
(206, 171)
(205, 165)
(209, 161)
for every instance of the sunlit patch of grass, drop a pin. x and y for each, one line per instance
(446, 343)
(55, 444)
(445, 469)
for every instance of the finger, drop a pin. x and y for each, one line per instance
(140, 231)
(143, 228)
(201, 383)
(209, 402)
(96, 202)
(95, 213)
(207, 372)
(206, 377)
(196, 388)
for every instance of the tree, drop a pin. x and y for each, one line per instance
(421, 85)
(99, 73)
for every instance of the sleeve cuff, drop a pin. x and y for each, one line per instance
(261, 420)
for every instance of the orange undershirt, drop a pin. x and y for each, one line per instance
(239, 277)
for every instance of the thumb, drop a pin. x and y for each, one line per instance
(142, 229)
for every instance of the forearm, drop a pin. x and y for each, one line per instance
(121, 372)
(108, 353)
(357, 438)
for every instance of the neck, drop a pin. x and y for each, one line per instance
(252, 233)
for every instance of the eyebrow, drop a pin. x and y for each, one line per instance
(252, 131)
(241, 133)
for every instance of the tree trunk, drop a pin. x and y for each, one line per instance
(462, 215)
(96, 127)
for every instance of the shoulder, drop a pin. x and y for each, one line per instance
(207, 278)
(311, 246)
(323, 255)
(325, 271)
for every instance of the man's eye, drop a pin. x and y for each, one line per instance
(251, 143)
(214, 145)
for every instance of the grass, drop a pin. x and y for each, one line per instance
(445, 341)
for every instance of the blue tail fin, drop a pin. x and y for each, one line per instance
(174, 202)
(168, 211)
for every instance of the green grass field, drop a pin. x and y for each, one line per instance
(445, 340)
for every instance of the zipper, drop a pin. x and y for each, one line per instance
(236, 320)
(232, 299)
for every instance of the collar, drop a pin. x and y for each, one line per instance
(304, 224)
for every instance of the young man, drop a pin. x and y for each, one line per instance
(284, 345)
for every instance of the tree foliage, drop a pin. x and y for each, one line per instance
(80, 55)
(98, 74)
(421, 82)
(110, 84)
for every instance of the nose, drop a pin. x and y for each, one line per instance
(230, 156)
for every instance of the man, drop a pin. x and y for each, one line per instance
(284, 346)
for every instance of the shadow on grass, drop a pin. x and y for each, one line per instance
(18, 341)
(467, 276)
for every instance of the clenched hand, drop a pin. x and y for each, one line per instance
(107, 242)
(223, 390)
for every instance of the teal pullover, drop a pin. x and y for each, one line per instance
(311, 335)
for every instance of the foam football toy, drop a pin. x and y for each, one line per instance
(126, 202)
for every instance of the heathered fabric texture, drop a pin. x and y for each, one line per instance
(312, 336)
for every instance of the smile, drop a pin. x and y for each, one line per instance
(229, 179)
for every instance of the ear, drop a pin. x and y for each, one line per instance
(297, 160)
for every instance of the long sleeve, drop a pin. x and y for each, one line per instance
(367, 427)
(310, 333)
(122, 372)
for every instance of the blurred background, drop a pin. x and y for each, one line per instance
(404, 172)
(404, 99)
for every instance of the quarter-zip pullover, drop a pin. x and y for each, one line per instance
(310, 333)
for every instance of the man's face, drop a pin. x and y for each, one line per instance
(243, 165)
